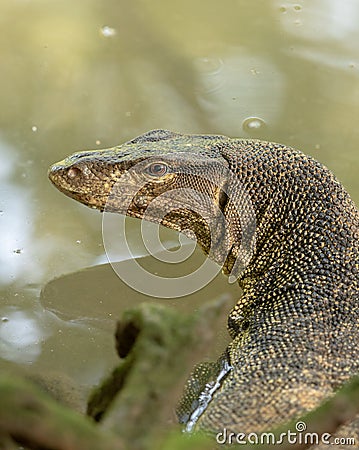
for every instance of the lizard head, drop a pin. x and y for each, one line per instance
(179, 181)
(125, 179)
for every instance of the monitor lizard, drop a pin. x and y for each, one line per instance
(295, 329)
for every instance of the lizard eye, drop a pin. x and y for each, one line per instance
(157, 169)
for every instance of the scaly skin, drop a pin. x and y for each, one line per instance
(295, 328)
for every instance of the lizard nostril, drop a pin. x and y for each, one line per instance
(73, 172)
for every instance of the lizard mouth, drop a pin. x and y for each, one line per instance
(97, 201)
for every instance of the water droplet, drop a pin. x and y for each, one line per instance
(253, 124)
(78, 241)
(107, 31)
(34, 128)
(209, 64)
(297, 8)
(283, 9)
(4, 319)
(98, 142)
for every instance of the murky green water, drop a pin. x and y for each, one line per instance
(93, 74)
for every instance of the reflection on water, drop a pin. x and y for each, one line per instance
(90, 74)
(339, 22)
(20, 337)
(244, 85)
(38, 338)
(15, 232)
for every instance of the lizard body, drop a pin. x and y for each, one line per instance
(295, 330)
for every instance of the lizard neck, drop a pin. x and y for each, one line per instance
(306, 241)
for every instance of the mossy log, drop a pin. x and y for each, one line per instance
(32, 418)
